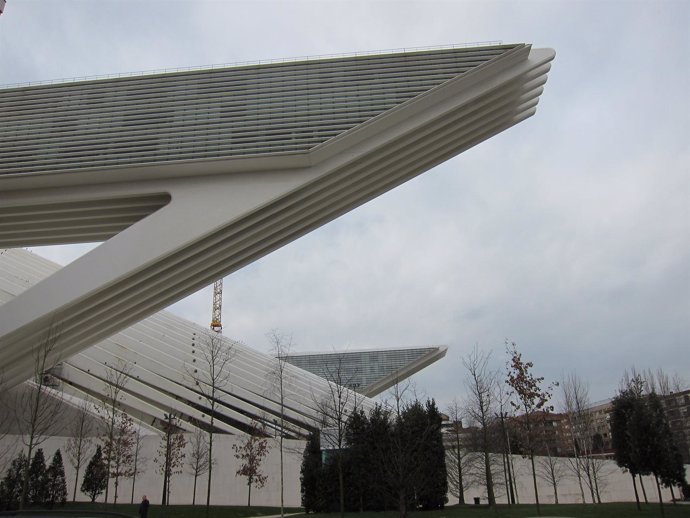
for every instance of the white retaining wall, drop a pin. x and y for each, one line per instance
(229, 489)
(614, 486)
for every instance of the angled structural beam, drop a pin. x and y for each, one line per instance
(191, 176)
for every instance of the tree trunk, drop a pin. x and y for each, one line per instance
(510, 496)
(109, 458)
(637, 496)
(194, 493)
(282, 484)
(644, 491)
(555, 489)
(341, 484)
(249, 493)
(76, 482)
(511, 483)
(402, 503)
(134, 481)
(579, 477)
(511, 474)
(534, 480)
(505, 476)
(210, 470)
(461, 486)
(25, 482)
(134, 474)
(673, 496)
(658, 489)
(591, 482)
(489, 479)
(165, 490)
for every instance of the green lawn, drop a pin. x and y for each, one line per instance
(181, 511)
(469, 511)
(524, 511)
(617, 510)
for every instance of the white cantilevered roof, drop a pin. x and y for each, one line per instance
(159, 353)
(190, 176)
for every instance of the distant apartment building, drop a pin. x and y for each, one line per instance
(600, 421)
(677, 409)
(555, 437)
(549, 433)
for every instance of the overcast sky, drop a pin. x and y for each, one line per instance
(568, 234)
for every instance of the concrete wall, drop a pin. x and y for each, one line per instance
(229, 489)
(614, 485)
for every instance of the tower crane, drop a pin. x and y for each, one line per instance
(217, 306)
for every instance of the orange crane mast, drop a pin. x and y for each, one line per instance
(216, 324)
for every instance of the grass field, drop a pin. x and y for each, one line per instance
(181, 511)
(524, 511)
(617, 510)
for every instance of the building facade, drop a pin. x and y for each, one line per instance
(368, 372)
(677, 409)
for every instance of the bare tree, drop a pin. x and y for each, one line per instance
(210, 371)
(119, 449)
(678, 383)
(661, 383)
(481, 409)
(38, 406)
(116, 378)
(198, 457)
(400, 395)
(476, 470)
(458, 456)
(504, 412)
(598, 472)
(578, 413)
(171, 454)
(80, 441)
(552, 470)
(335, 408)
(280, 345)
(139, 461)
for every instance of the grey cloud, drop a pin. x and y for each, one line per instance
(568, 233)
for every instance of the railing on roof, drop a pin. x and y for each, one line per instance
(400, 50)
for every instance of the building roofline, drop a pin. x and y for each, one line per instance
(365, 350)
(248, 63)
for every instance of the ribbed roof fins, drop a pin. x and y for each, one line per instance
(158, 353)
(216, 113)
